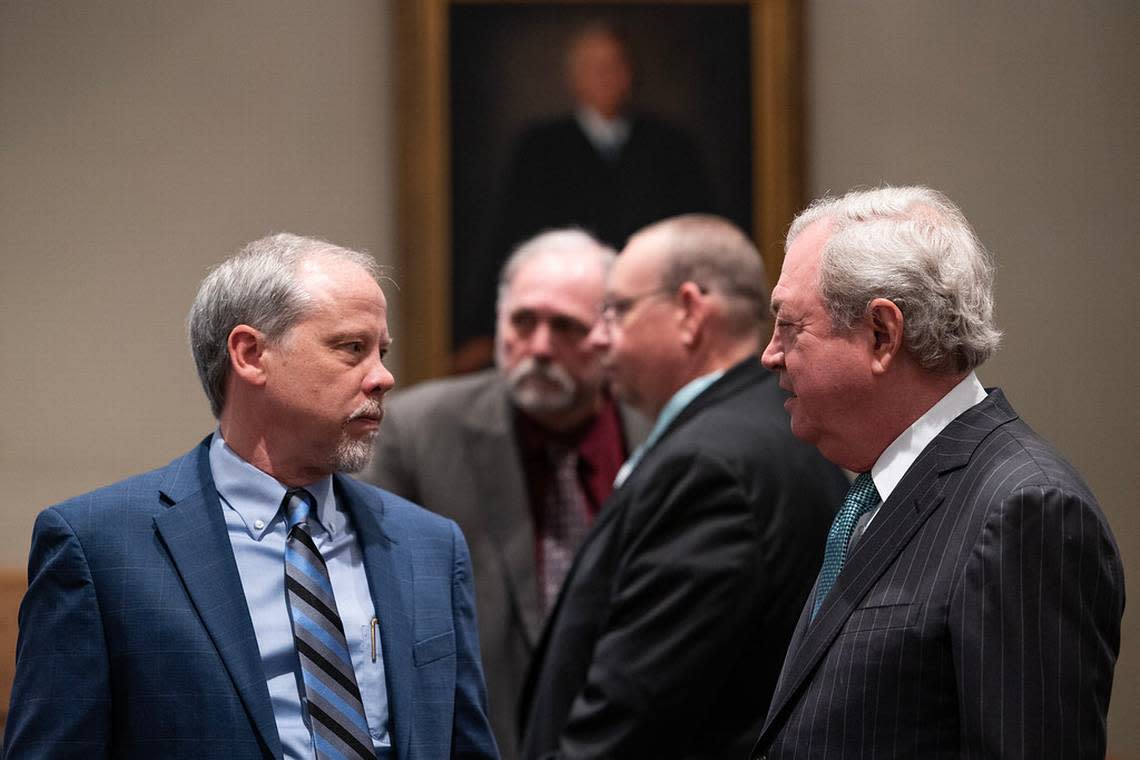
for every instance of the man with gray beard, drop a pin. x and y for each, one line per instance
(248, 600)
(521, 456)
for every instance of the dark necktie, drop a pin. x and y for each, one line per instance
(860, 498)
(565, 522)
(336, 713)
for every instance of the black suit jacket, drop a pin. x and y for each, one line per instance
(669, 634)
(978, 616)
(557, 178)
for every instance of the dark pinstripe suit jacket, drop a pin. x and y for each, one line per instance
(978, 616)
(136, 640)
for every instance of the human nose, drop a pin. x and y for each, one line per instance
(542, 340)
(379, 379)
(773, 356)
(600, 333)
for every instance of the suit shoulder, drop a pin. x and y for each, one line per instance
(115, 507)
(442, 395)
(755, 413)
(135, 493)
(554, 128)
(399, 514)
(1029, 460)
(651, 127)
(444, 391)
(752, 429)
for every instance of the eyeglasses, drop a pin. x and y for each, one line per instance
(614, 310)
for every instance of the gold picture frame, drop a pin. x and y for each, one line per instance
(423, 160)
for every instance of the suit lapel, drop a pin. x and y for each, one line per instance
(614, 507)
(504, 502)
(193, 530)
(388, 566)
(897, 521)
(918, 495)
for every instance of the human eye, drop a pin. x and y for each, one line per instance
(568, 327)
(355, 347)
(787, 328)
(524, 320)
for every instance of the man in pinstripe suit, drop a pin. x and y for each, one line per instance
(977, 612)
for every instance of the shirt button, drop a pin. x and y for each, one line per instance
(259, 524)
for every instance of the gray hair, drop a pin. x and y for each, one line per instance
(716, 255)
(257, 287)
(568, 241)
(912, 246)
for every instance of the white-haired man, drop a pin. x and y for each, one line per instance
(970, 599)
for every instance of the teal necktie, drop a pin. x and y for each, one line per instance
(336, 712)
(860, 498)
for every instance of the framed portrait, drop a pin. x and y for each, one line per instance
(474, 78)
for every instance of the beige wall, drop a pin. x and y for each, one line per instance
(141, 142)
(1028, 114)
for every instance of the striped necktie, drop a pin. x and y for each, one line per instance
(860, 498)
(336, 713)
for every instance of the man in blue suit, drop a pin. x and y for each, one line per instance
(247, 600)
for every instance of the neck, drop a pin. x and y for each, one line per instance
(726, 355)
(898, 408)
(256, 448)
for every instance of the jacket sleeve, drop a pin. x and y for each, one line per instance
(471, 732)
(679, 609)
(61, 705)
(1036, 629)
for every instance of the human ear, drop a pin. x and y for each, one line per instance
(694, 310)
(886, 322)
(246, 347)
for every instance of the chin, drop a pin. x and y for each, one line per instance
(805, 432)
(353, 454)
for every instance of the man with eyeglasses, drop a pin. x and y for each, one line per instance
(672, 625)
(521, 456)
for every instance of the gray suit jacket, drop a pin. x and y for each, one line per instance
(450, 445)
(978, 616)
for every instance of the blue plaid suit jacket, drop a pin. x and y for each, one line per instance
(136, 641)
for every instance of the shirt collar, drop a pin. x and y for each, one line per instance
(605, 134)
(677, 403)
(897, 458)
(681, 399)
(256, 496)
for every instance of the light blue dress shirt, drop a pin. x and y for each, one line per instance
(251, 501)
(674, 407)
